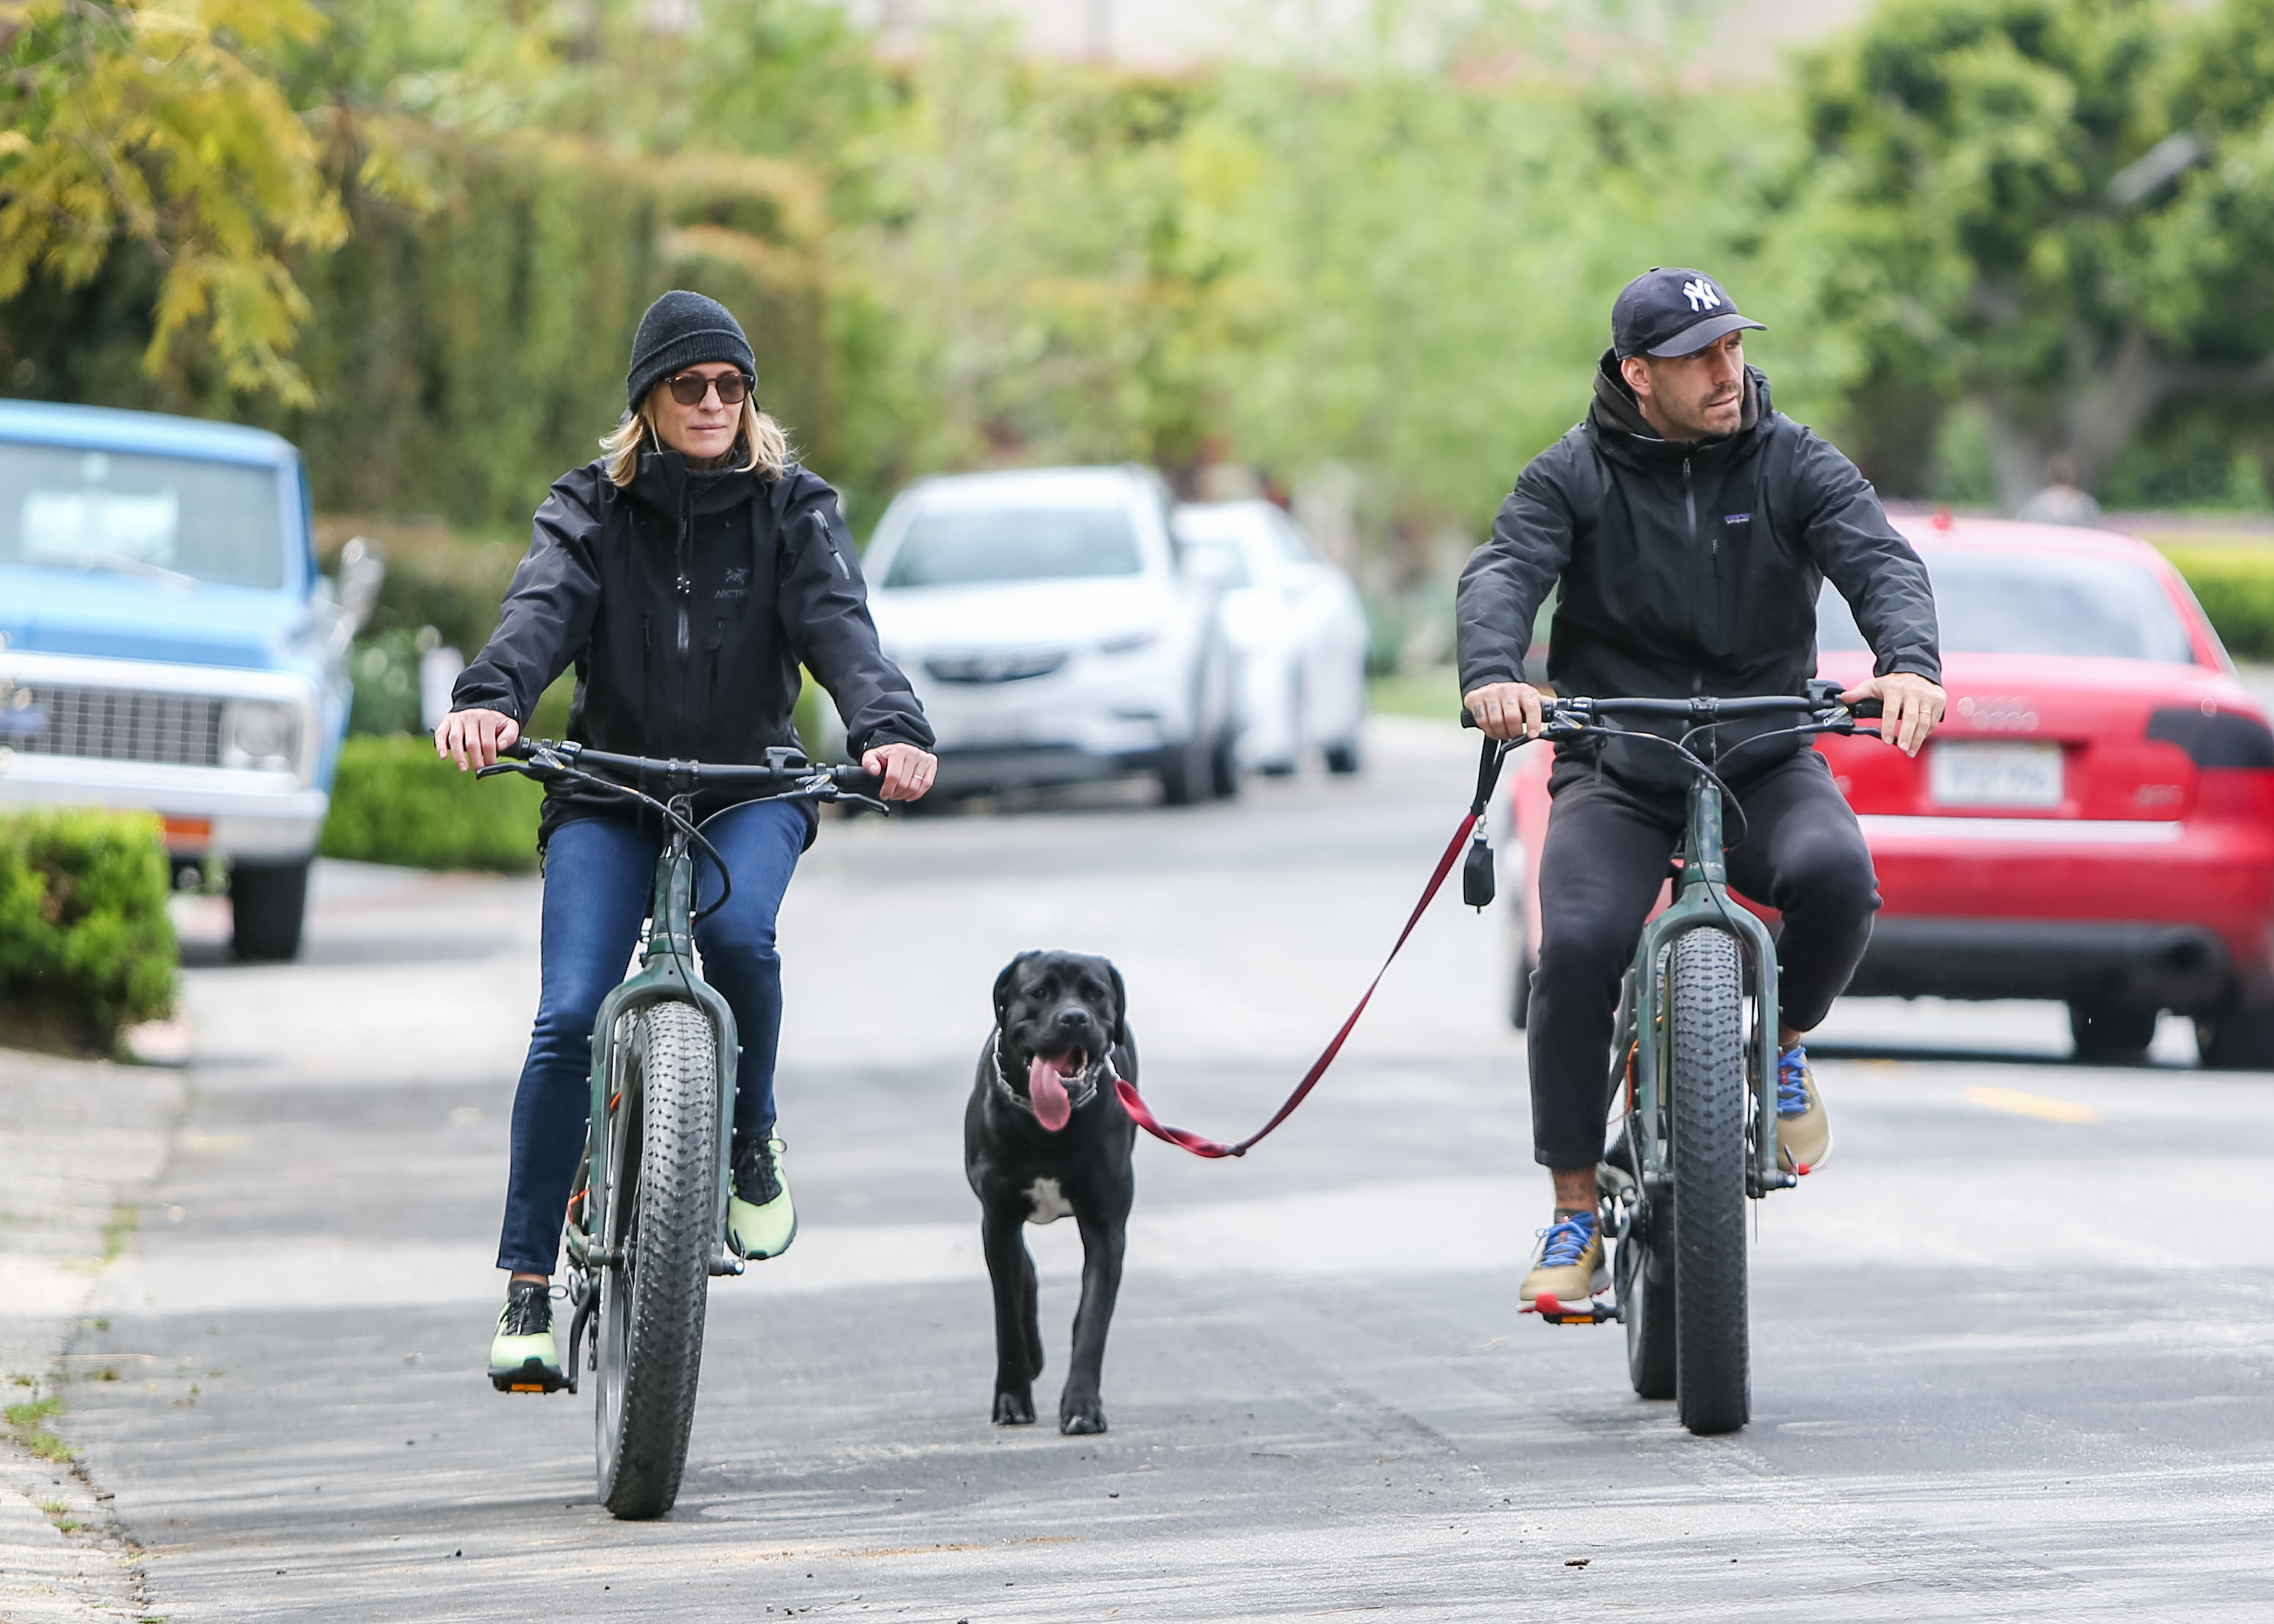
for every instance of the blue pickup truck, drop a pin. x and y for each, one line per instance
(167, 644)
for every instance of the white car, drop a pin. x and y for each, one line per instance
(1055, 632)
(1299, 630)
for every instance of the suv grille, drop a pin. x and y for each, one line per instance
(1007, 665)
(122, 725)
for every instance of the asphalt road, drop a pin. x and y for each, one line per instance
(2011, 1347)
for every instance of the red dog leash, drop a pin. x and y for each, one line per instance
(1479, 877)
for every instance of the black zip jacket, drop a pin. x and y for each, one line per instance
(687, 601)
(1689, 569)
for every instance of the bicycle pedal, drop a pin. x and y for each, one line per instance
(520, 1382)
(1553, 1311)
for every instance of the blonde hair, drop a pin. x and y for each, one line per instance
(760, 445)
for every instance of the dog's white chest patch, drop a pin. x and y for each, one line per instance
(1046, 1202)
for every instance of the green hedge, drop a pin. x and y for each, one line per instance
(86, 947)
(2235, 585)
(395, 802)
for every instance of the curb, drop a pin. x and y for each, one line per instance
(78, 1140)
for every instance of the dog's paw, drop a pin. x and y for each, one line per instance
(1016, 1409)
(1076, 1420)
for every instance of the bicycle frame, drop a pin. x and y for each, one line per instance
(666, 972)
(1702, 904)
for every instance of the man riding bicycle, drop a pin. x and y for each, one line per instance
(1691, 527)
(686, 573)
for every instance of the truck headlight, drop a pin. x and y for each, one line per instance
(260, 733)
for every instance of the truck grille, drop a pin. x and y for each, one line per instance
(114, 723)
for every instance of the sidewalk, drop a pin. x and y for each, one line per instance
(78, 1140)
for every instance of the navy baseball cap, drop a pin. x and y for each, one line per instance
(1672, 311)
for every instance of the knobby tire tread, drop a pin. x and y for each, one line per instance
(1710, 1104)
(675, 1052)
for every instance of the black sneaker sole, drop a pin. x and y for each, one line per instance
(532, 1377)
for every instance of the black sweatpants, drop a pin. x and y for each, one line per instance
(1606, 853)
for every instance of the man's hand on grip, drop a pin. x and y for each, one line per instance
(1506, 710)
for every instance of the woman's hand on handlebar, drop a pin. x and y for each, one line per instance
(1506, 710)
(1910, 707)
(473, 737)
(908, 771)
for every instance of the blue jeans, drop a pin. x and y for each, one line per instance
(599, 875)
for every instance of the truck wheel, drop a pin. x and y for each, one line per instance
(2238, 1038)
(2112, 1033)
(1224, 766)
(267, 904)
(1183, 772)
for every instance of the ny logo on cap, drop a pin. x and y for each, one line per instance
(1700, 294)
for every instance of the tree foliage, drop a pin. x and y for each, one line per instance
(151, 120)
(2057, 208)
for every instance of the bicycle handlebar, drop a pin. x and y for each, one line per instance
(1703, 711)
(788, 767)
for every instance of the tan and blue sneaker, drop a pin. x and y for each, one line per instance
(523, 1359)
(1567, 1265)
(1804, 1131)
(761, 1222)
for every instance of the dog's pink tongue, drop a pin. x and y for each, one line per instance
(1047, 1090)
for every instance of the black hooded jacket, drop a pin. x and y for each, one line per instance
(687, 601)
(1689, 569)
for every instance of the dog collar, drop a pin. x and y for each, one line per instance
(1084, 1089)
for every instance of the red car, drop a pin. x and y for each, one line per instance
(2094, 821)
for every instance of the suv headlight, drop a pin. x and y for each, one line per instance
(260, 733)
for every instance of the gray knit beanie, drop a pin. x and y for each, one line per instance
(683, 330)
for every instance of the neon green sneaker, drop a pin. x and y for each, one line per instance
(761, 1222)
(523, 1359)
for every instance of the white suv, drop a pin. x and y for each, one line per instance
(1056, 630)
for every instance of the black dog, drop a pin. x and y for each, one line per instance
(1045, 1135)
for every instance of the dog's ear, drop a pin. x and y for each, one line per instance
(1004, 983)
(1120, 1004)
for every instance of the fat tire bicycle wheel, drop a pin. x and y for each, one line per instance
(1645, 1291)
(1709, 1104)
(663, 1168)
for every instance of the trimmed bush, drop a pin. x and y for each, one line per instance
(2235, 585)
(395, 802)
(86, 948)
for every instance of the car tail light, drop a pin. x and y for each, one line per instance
(2215, 738)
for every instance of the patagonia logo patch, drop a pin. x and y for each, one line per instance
(1737, 518)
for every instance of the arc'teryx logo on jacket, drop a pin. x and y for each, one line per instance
(1689, 569)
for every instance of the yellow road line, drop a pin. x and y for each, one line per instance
(2043, 1107)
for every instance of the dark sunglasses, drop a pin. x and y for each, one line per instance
(688, 388)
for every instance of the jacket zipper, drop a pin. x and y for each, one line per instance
(1690, 507)
(684, 583)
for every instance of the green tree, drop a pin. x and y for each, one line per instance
(161, 124)
(2055, 209)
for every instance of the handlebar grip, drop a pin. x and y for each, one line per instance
(1866, 710)
(1466, 719)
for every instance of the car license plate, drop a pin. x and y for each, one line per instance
(2000, 773)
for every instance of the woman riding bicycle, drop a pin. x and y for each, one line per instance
(686, 573)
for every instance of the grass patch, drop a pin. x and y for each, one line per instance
(125, 1218)
(47, 1447)
(32, 1413)
(1432, 694)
